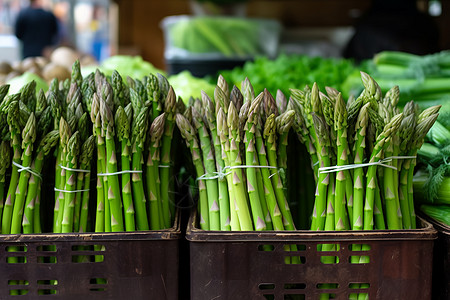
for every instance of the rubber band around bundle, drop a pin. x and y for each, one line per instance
(75, 170)
(119, 172)
(355, 166)
(221, 174)
(66, 191)
(28, 169)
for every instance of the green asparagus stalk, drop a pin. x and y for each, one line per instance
(28, 138)
(223, 133)
(114, 196)
(189, 135)
(251, 159)
(123, 124)
(358, 175)
(15, 129)
(323, 181)
(138, 140)
(271, 146)
(210, 169)
(73, 149)
(4, 165)
(101, 167)
(340, 125)
(223, 198)
(153, 181)
(237, 175)
(87, 152)
(166, 142)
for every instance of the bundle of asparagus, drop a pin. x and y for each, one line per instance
(238, 143)
(135, 121)
(363, 153)
(130, 120)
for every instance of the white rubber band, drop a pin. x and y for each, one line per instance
(66, 191)
(28, 169)
(74, 170)
(119, 172)
(354, 166)
(221, 174)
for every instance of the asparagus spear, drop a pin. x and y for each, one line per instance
(15, 129)
(4, 165)
(235, 161)
(166, 142)
(87, 152)
(340, 125)
(101, 167)
(154, 196)
(210, 170)
(270, 142)
(138, 140)
(323, 178)
(188, 133)
(123, 124)
(223, 133)
(73, 149)
(114, 197)
(28, 138)
(64, 136)
(224, 199)
(251, 159)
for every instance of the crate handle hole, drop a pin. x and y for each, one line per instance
(18, 282)
(327, 286)
(329, 260)
(294, 260)
(328, 247)
(266, 286)
(18, 292)
(47, 282)
(295, 286)
(359, 285)
(294, 296)
(266, 247)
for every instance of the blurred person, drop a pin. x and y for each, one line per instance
(395, 25)
(36, 28)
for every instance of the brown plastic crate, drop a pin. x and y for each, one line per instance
(441, 260)
(237, 265)
(135, 265)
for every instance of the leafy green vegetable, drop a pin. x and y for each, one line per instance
(291, 71)
(126, 65)
(186, 86)
(440, 213)
(18, 82)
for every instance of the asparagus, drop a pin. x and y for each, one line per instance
(15, 129)
(114, 196)
(166, 142)
(138, 140)
(340, 125)
(123, 124)
(73, 149)
(154, 196)
(210, 170)
(101, 167)
(4, 165)
(87, 151)
(28, 138)
(237, 175)
(270, 143)
(224, 198)
(251, 159)
(189, 135)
